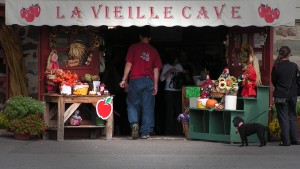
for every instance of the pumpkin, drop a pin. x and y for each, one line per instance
(210, 103)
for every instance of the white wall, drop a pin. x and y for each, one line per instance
(297, 13)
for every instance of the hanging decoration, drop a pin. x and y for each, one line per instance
(79, 53)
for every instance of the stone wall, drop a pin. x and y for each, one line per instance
(30, 40)
(287, 36)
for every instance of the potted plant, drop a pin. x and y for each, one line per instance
(274, 128)
(24, 116)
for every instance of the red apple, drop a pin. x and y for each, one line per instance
(269, 18)
(276, 13)
(104, 108)
(263, 10)
(29, 17)
(35, 10)
(23, 12)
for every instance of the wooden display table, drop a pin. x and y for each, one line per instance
(56, 105)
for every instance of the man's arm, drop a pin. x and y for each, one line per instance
(127, 69)
(156, 78)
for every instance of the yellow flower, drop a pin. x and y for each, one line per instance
(274, 128)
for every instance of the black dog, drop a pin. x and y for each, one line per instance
(247, 129)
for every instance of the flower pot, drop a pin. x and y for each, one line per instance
(19, 136)
(100, 122)
(67, 90)
(230, 102)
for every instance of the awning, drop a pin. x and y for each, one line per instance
(155, 13)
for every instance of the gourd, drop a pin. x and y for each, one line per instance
(210, 103)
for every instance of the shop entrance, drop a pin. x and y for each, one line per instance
(199, 49)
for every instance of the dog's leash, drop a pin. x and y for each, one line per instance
(257, 116)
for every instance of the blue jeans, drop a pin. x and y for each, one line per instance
(140, 104)
(287, 118)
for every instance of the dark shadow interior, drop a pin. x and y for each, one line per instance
(200, 48)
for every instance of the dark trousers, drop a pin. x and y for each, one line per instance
(173, 106)
(287, 118)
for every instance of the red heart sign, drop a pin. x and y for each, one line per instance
(104, 108)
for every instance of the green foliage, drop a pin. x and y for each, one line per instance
(298, 108)
(20, 106)
(273, 111)
(4, 123)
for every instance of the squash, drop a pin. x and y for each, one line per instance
(210, 103)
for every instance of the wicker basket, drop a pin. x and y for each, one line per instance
(217, 94)
(81, 90)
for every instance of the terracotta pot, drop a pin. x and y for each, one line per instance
(21, 136)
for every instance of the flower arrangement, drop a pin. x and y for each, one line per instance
(226, 84)
(23, 115)
(65, 77)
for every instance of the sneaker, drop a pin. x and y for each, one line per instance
(145, 136)
(135, 131)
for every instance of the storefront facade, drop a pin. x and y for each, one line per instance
(242, 17)
(247, 22)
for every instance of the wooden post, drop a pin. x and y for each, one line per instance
(60, 119)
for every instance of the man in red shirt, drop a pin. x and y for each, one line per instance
(142, 65)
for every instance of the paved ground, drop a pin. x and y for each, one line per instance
(155, 153)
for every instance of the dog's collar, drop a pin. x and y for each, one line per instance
(241, 123)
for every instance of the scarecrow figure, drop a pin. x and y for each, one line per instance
(251, 76)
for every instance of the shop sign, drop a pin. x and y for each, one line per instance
(154, 13)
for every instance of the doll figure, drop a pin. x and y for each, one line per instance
(52, 66)
(52, 63)
(251, 76)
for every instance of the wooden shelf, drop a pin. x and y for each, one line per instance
(216, 125)
(212, 110)
(80, 126)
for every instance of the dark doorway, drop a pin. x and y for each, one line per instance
(204, 49)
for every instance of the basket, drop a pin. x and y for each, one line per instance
(217, 94)
(81, 90)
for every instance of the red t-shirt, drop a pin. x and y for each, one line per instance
(144, 58)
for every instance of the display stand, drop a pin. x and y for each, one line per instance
(216, 125)
(56, 104)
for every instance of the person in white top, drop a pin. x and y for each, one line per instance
(172, 95)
